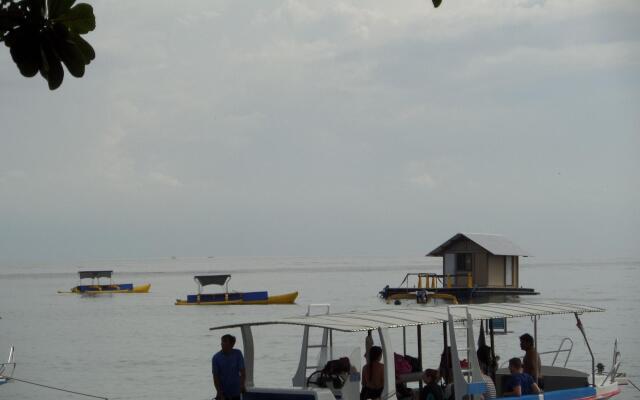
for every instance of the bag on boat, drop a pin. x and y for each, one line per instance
(334, 372)
(403, 366)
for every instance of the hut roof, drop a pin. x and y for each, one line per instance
(497, 245)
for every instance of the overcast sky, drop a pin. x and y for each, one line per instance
(327, 128)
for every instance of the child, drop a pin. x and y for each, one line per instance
(432, 390)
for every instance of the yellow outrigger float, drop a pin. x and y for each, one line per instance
(96, 288)
(231, 298)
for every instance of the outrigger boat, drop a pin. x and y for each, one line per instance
(561, 383)
(96, 288)
(6, 369)
(231, 298)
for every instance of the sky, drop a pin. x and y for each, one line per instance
(329, 128)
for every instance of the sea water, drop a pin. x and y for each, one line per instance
(142, 346)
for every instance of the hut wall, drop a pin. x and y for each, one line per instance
(496, 270)
(480, 269)
(467, 246)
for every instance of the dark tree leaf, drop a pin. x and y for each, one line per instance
(51, 67)
(67, 50)
(59, 7)
(436, 3)
(79, 18)
(85, 48)
(25, 50)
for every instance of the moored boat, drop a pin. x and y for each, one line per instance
(97, 288)
(231, 298)
(332, 378)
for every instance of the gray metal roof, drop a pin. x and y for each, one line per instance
(356, 321)
(497, 245)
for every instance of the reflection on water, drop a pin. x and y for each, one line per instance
(141, 346)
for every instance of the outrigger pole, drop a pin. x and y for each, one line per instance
(55, 388)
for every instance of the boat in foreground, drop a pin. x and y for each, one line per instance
(231, 298)
(96, 288)
(314, 381)
(6, 369)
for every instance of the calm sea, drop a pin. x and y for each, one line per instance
(144, 347)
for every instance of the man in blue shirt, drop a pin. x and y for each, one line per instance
(519, 383)
(227, 366)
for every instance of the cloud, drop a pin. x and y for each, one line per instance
(360, 114)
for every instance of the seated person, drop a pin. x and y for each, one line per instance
(431, 390)
(484, 358)
(372, 375)
(519, 383)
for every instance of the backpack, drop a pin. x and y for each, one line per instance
(333, 372)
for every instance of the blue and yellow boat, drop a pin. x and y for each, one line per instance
(96, 288)
(231, 298)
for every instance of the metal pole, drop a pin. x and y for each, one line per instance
(330, 344)
(493, 351)
(535, 332)
(593, 360)
(420, 351)
(444, 351)
(404, 340)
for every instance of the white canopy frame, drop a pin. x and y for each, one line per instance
(382, 320)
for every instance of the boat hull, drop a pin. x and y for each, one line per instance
(286, 298)
(108, 289)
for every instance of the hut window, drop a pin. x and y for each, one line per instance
(463, 262)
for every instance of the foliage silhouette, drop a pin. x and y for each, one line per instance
(44, 34)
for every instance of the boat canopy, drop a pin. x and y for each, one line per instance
(205, 280)
(94, 274)
(358, 321)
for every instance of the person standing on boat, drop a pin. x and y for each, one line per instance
(531, 361)
(372, 375)
(228, 370)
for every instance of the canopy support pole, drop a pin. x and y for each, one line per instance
(420, 351)
(389, 389)
(593, 359)
(404, 340)
(247, 344)
(492, 367)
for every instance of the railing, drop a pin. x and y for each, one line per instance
(435, 281)
(561, 350)
(556, 352)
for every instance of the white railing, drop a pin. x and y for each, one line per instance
(561, 350)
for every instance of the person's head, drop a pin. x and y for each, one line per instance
(431, 375)
(227, 342)
(526, 341)
(484, 357)
(375, 354)
(515, 365)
